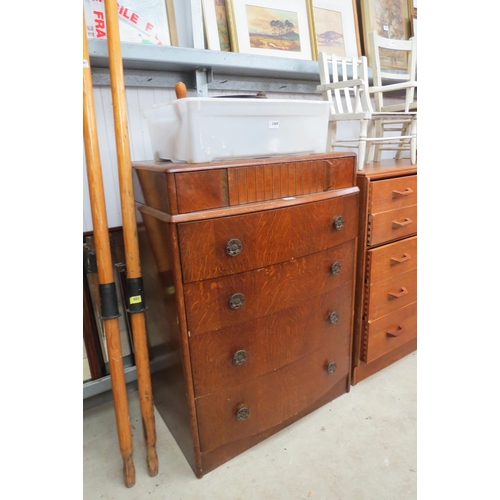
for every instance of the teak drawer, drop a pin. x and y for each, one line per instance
(392, 294)
(389, 260)
(237, 298)
(390, 332)
(392, 225)
(228, 245)
(391, 194)
(233, 355)
(271, 398)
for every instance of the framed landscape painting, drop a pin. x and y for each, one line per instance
(216, 24)
(335, 28)
(270, 27)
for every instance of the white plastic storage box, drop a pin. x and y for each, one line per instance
(202, 129)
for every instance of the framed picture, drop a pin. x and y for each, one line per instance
(216, 24)
(389, 18)
(150, 23)
(335, 28)
(270, 27)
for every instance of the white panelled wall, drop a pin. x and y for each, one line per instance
(139, 98)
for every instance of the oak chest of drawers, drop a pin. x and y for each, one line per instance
(385, 326)
(248, 272)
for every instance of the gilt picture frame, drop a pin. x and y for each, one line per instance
(335, 28)
(270, 27)
(389, 18)
(216, 25)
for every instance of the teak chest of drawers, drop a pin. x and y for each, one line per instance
(385, 327)
(248, 272)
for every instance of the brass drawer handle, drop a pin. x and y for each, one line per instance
(239, 357)
(397, 332)
(396, 224)
(333, 317)
(335, 269)
(242, 414)
(338, 222)
(233, 247)
(406, 192)
(331, 368)
(404, 258)
(236, 301)
(396, 295)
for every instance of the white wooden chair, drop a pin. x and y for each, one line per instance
(349, 99)
(385, 52)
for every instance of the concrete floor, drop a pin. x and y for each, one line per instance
(361, 446)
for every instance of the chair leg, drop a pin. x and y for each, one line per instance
(405, 128)
(413, 142)
(362, 157)
(379, 132)
(371, 144)
(331, 137)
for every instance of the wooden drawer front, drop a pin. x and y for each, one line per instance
(389, 260)
(391, 194)
(388, 226)
(390, 332)
(249, 184)
(392, 294)
(270, 399)
(266, 238)
(266, 290)
(270, 342)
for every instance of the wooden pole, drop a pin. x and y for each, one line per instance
(105, 269)
(132, 260)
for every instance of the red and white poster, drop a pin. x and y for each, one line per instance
(140, 21)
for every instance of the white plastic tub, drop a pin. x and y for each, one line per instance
(202, 129)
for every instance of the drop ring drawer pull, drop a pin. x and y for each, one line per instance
(233, 247)
(236, 301)
(404, 258)
(242, 414)
(396, 295)
(397, 332)
(331, 367)
(406, 192)
(239, 357)
(397, 224)
(333, 317)
(338, 222)
(335, 269)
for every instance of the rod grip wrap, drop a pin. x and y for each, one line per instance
(109, 301)
(135, 291)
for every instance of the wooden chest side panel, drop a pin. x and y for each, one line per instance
(202, 190)
(267, 237)
(392, 259)
(391, 194)
(392, 225)
(271, 399)
(388, 296)
(270, 342)
(252, 183)
(265, 290)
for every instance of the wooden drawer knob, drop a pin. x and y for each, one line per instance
(338, 222)
(405, 192)
(333, 317)
(242, 414)
(331, 368)
(239, 357)
(397, 224)
(335, 269)
(233, 247)
(236, 301)
(397, 332)
(396, 295)
(404, 258)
